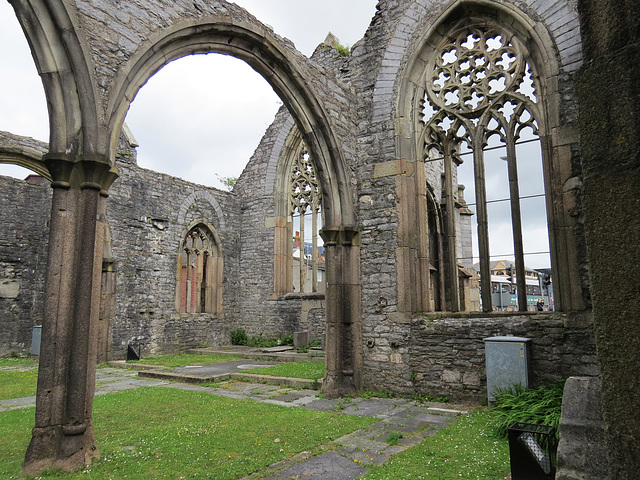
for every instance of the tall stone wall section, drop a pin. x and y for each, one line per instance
(149, 213)
(26, 208)
(377, 63)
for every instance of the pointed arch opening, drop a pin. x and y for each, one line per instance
(199, 272)
(480, 96)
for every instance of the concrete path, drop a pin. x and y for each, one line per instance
(345, 458)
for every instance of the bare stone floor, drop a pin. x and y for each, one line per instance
(348, 457)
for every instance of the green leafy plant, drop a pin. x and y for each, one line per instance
(342, 50)
(393, 437)
(239, 337)
(540, 406)
(228, 182)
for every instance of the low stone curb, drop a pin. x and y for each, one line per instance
(247, 377)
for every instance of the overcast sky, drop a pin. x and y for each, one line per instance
(201, 117)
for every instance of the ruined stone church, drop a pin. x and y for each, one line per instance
(365, 154)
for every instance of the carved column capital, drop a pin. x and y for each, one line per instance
(80, 172)
(345, 236)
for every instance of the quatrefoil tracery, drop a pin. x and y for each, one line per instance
(480, 76)
(305, 193)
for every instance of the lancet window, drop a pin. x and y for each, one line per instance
(199, 273)
(480, 95)
(304, 212)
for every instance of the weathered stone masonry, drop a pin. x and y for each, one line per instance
(359, 118)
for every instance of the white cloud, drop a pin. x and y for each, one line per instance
(199, 115)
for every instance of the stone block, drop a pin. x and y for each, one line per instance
(581, 451)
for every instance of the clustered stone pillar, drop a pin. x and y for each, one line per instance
(609, 117)
(343, 346)
(63, 434)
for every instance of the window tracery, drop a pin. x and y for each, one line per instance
(479, 87)
(199, 272)
(304, 201)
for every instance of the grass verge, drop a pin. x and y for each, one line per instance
(307, 370)
(166, 433)
(467, 449)
(184, 359)
(16, 383)
(16, 361)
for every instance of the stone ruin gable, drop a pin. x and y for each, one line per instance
(148, 214)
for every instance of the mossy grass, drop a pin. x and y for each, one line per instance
(184, 359)
(159, 433)
(307, 370)
(16, 360)
(467, 449)
(16, 383)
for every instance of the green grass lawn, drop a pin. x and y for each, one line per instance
(308, 370)
(19, 379)
(164, 433)
(184, 359)
(16, 361)
(467, 450)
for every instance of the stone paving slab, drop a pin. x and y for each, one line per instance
(328, 466)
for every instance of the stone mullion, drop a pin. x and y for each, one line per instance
(483, 224)
(516, 222)
(452, 257)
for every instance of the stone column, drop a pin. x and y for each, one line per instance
(343, 345)
(63, 434)
(609, 118)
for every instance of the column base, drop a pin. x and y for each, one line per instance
(51, 448)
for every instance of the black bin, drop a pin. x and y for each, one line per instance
(532, 451)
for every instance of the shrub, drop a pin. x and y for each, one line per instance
(239, 337)
(540, 406)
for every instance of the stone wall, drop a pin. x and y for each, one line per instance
(26, 207)
(149, 213)
(445, 353)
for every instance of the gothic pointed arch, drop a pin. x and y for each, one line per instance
(482, 71)
(249, 43)
(298, 197)
(199, 271)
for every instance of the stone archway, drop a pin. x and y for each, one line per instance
(89, 89)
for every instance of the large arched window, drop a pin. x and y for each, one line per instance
(199, 276)
(304, 211)
(481, 102)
